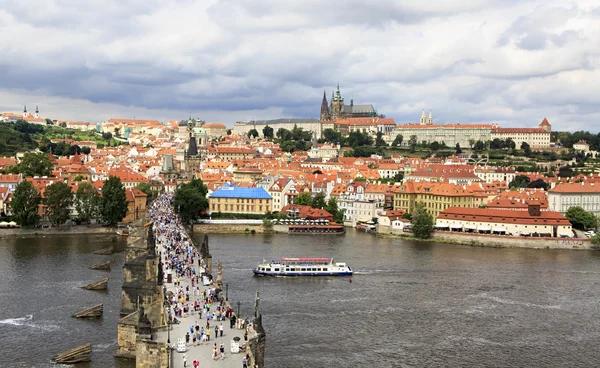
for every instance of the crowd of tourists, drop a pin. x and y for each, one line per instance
(193, 297)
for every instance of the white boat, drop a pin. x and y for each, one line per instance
(303, 267)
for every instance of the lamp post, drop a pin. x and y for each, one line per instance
(169, 339)
(227, 292)
(238, 311)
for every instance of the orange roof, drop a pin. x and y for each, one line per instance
(581, 187)
(503, 216)
(544, 123)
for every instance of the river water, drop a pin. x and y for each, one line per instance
(410, 304)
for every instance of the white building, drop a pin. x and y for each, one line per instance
(566, 195)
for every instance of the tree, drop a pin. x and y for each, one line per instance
(228, 131)
(471, 142)
(538, 183)
(74, 150)
(190, 200)
(62, 124)
(35, 164)
(86, 150)
(49, 122)
(332, 136)
(318, 201)
(252, 133)
(113, 204)
(434, 146)
(479, 146)
(268, 132)
(117, 131)
(379, 140)
(107, 136)
(339, 217)
(580, 218)
(595, 240)
(398, 140)
(303, 199)
(526, 149)
(288, 146)
(147, 189)
(87, 201)
(332, 206)
(59, 199)
(422, 222)
(25, 204)
(458, 149)
(520, 181)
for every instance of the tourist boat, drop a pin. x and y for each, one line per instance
(303, 267)
(368, 227)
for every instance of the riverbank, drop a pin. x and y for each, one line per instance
(66, 230)
(498, 241)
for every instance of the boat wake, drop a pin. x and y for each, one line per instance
(17, 321)
(27, 322)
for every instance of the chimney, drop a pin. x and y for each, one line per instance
(534, 210)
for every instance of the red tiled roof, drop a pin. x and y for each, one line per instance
(503, 216)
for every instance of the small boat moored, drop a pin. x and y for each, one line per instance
(303, 267)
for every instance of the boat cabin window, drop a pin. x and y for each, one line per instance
(276, 269)
(269, 269)
(314, 269)
(318, 269)
(324, 269)
(304, 269)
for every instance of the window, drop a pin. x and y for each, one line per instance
(303, 269)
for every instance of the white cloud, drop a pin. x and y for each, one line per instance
(513, 62)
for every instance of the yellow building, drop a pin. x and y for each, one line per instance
(435, 196)
(232, 199)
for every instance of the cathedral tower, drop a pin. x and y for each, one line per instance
(25, 111)
(337, 104)
(324, 109)
(430, 119)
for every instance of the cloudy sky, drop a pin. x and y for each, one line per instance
(513, 62)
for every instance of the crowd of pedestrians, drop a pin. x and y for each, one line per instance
(191, 300)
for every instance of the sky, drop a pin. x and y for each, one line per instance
(511, 62)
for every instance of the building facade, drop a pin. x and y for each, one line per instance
(338, 110)
(536, 138)
(566, 195)
(232, 199)
(450, 134)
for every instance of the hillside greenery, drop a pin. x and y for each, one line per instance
(22, 136)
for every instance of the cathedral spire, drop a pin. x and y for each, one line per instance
(324, 108)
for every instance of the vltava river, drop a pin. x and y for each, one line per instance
(410, 304)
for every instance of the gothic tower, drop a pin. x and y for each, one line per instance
(324, 109)
(25, 111)
(337, 104)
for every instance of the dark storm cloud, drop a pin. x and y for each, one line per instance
(470, 61)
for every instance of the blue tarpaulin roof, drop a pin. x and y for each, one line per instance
(231, 191)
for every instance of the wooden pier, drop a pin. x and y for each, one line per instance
(76, 355)
(93, 312)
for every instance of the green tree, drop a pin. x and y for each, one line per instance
(526, 149)
(87, 201)
(339, 217)
(332, 136)
(434, 146)
(228, 131)
(86, 150)
(59, 199)
(580, 218)
(595, 240)
(303, 199)
(458, 149)
(520, 181)
(288, 146)
(252, 133)
(332, 206)
(25, 204)
(538, 183)
(190, 200)
(318, 201)
(62, 124)
(35, 164)
(147, 189)
(479, 146)
(113, 203)
(471, 142)
(398, 140)
(379, 140)
(422, 222)
(267, 132)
